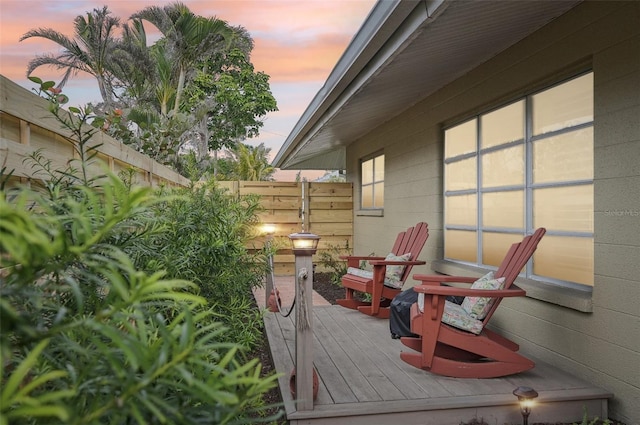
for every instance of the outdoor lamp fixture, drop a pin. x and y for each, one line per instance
(304, 243)
(525, 397)
(268, 229)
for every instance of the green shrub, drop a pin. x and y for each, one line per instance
(88, 339)
(199, 234)
(330, 259)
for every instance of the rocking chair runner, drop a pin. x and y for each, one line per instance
(476, 352)
(408, 243)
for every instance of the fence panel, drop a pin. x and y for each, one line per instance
(325, 209)
(26, 125)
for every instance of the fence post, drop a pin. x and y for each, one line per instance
(269, 230)
(25, 139)
(305, 206)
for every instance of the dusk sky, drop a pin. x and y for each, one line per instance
(297, 43)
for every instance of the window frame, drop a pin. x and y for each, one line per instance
(528, 185)
(373, 210)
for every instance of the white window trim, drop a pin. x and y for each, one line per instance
(372, 211)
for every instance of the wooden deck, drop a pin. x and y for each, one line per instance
(363, 381)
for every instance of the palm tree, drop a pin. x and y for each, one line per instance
(134, 66)
(252, 162)
(189, 37)
(88, 52)
(164, 90)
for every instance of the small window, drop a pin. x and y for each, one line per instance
(372, 183)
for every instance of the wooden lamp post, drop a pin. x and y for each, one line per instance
(304, 245)
(269, 230)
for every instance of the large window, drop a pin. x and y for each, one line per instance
(372, 183)
(525, 165)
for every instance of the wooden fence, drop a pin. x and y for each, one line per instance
(26, 125)
(325, 209)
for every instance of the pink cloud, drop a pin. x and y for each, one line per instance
(311, 60)
(295, 40)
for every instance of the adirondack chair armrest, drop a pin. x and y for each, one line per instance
(384, 262)
(430, 279)
(514, 291)
(354, 260)
(359, 258)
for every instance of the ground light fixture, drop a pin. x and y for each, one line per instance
(525, 395)
(304, 243)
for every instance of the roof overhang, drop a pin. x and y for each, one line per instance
(405, 51)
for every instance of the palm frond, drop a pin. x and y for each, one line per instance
(88, 51)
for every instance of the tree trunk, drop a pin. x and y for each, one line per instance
(215, 163)
(181, 79)
(105, 91)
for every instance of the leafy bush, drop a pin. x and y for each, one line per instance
(330, 259)
(199, 234)
(87, 338)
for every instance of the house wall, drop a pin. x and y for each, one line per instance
(600, 339)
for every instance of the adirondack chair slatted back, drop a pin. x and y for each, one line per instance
(411, 241)
(514, 262)
(375, 282)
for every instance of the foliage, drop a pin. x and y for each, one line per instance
(202, 239)
(88, 52)
(251, 163)
(136, 67)
(79, 121)
(187, 37)
(594, 421)
(244, 162)
(231, 98)
(89, 338)
(159, 137)
(225, 169)
(189, 166)
(330, 258)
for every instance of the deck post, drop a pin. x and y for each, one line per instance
(304, 334)
(269, 230)
(304, 246)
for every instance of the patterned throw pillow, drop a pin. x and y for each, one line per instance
(394, 273)
(478, 307)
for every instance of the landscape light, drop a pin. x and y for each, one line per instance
(525, 396)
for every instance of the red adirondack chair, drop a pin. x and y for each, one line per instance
(378, 283)
(476, 352)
